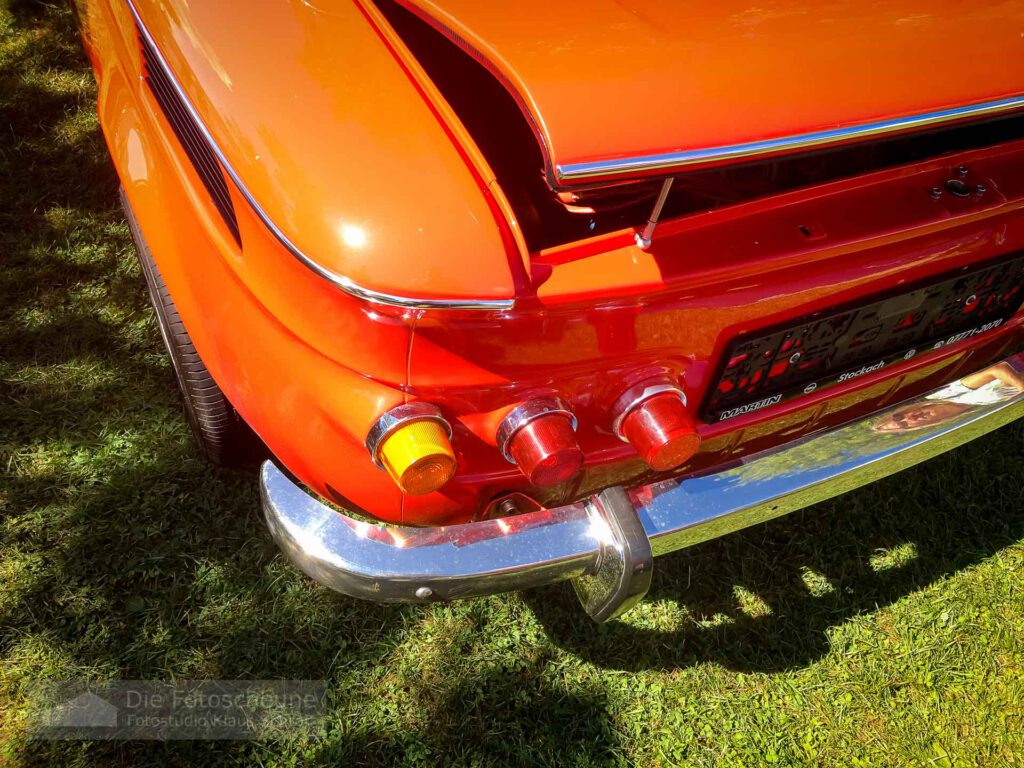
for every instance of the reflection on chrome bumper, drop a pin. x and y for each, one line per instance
(605, 544)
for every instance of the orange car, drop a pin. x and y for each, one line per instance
(542, 290)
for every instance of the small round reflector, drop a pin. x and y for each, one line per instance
(660, 428)
(539, 437)
(412, 443)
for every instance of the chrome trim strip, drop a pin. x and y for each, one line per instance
(394, 563)
(694, 157)
(344, 283)
(684, 512)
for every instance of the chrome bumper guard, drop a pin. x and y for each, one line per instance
(606, 544)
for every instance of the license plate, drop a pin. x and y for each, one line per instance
(825, 349)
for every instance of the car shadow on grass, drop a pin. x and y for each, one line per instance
(498, 717)
(765, 599)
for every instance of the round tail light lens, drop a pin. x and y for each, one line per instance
(412, 443)
(419, 457)
(539, 437)
(658, 426)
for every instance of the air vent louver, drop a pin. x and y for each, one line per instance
(190, 137)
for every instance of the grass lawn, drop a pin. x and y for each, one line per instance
(883, 628)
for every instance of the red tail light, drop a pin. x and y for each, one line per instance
(654, 420)
(539, 437)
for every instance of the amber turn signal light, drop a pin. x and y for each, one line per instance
(654, 420)
(539, 437)
(412, 443)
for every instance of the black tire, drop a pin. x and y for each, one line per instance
(222, 434)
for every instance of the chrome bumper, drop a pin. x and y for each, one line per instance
(606, 543)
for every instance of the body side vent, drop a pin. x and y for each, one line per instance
(189, 136)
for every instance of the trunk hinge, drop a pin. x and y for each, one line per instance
(643, 239)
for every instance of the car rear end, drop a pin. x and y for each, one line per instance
(676, 351)
(706, 349)
(782, 293)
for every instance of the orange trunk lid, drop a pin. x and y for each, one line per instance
(618, 88)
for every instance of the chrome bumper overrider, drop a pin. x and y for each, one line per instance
(606, 543)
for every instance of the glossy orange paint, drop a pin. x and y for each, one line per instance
(306, 104)
(307, 366)
(606, 79)
(338, 127)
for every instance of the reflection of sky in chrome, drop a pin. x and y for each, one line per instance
(820, 459)
(701, 507)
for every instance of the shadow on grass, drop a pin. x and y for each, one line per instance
(815, 570)
(519, 717)
(127, 556)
